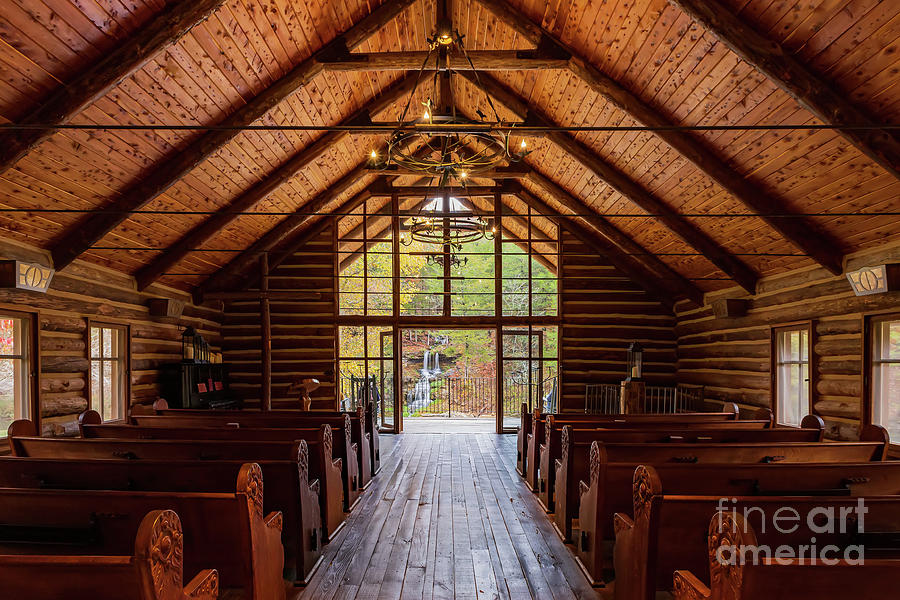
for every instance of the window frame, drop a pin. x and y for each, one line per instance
(125, 359)
(868, 405)
(811, 394)
(33, 352)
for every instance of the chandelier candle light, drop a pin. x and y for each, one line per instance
(446, 156)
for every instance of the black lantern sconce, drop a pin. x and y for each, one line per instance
(635, 362)
(194, 349)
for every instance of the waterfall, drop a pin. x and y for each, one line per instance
(425, 364)
(437, 363)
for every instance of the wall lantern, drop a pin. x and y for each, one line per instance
(875, 280)
(635, 362)
(25, 276)
(194, 349)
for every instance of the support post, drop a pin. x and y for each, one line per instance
(266, 337)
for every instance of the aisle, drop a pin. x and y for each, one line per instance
(448, 517)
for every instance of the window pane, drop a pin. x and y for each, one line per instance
(792, 375)
(886, 377)
(95, 342)
(7, 393)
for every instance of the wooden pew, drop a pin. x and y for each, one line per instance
(668, 533)
(529, 418)
(875, 579)
(153, 572)
(364, 417)
(574, 465)
(288, 490)
(194, 427)
(540, 422)
(322, 465)
(348, 445)
(812, 429)
(227, 531)
(610, 491)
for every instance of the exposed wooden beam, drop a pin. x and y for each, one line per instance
(622, 183)
(205, 230)
(812, 91)
(484, 60)
(799, 232)
(511, 172)
(87, 232)
(629, 267)
(405, 191)
(135, 52)
(222, 278)
(624, 245)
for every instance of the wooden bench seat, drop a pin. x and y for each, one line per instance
(575, 464)
(190, 428)
(288, 490)
(875, 579)
(540, 427)
(322, 465)
(530, 420)
(669, 532)
(364, 415)
(812, 429)
(609, 491)
(153, 572)
(225, 531)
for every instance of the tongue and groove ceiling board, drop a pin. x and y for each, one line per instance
(651, 48)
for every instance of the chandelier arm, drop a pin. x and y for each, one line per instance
(416, 85)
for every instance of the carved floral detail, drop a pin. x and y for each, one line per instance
(327, 441)
(209, 588)
(725, 530)
(684, 590)
(566, 434)
(642, 491)
(596, 463)
(253, 487)
(166, 554)
(303, 461)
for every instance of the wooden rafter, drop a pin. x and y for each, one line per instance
(84, 234)
(484, 60)
(216, 223)
(70, 99)
(284, 229)
(809, 89)
(799, 232)
(622, 183)
(623, 245)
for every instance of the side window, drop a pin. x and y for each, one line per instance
(791, 370)
(108, 370)
(886, 374)
(15, 369)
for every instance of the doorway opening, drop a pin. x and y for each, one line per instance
(448, 376)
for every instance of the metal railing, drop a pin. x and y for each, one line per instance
(451, 396)
(605, 399)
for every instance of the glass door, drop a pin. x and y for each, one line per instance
(529, 373)
(386, 402)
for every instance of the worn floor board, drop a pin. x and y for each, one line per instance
(447, 517)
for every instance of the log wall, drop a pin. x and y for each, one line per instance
(85, 293)
(303, 331)
(602, 312)
(732, 356)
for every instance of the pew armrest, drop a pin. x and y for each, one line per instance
(205, 586)
(622, 522)
(583, 488)
(314, 487)
(688, 587)
(274, 520)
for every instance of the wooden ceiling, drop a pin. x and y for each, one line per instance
(677, 209)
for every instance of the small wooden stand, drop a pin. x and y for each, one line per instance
(631, 396)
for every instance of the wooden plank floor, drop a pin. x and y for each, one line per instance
(448, 517)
